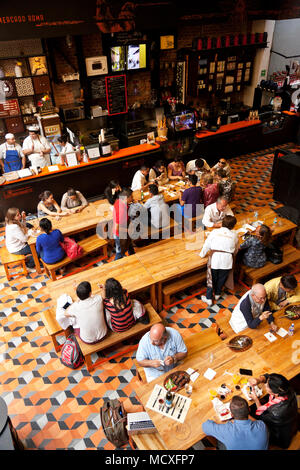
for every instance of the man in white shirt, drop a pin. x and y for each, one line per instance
(11, 156)
(215, 213)
(89, 315)
(37, 148)
(197, 167)
(159, 210)
(139, 181)
(222, 244)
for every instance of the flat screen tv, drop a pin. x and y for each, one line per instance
(184, 122)
(117, 57)
(136, 57)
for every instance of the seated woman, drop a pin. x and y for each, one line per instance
(255, 246)
(225, 184)
(118, 306)
(48, 206)
(112, 191)
(158, 173)
(280, 413)
(16, 235)
(73, 201)
(176, 169)
(210, 190)
(88, 312)
(48, 243)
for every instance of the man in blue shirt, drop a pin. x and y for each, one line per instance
(159, 350)
(240, 434)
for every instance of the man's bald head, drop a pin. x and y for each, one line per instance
(158, 334)
(258, 291)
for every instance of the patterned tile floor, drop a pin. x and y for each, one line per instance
(53, 407)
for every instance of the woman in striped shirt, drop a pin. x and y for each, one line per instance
(118, 306)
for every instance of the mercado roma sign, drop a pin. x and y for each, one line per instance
(32, 18)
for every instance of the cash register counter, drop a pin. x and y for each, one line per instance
(244, 137)
(90, 178)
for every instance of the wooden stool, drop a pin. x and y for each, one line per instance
(8, 258)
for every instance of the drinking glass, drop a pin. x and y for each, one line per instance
(188, 388)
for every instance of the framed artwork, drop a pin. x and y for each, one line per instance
(38, 65)
(167, 42)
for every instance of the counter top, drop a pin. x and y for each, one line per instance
(228, 128)
(120, 154)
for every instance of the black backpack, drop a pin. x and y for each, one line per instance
(71, 355)
(274, 253)
(113, 420)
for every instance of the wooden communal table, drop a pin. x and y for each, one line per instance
(170, 190)
(171, 258)
(263, 357)
(128, 271)
(267, 216)
(95, 213)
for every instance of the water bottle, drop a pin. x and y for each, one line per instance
(256, 215)
(275, 221)
(291, 329)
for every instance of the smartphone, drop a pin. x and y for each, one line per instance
(246, 372)
(67, 304)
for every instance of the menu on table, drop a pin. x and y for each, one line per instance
(116, 94)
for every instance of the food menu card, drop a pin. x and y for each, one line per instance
(116, 94)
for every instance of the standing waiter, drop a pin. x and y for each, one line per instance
(37, 148)
(11, 156)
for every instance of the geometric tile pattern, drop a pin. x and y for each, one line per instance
(53, 407)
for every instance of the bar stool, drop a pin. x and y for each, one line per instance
(8, 259)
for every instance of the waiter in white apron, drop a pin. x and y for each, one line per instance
(11, 155)
(37, 148)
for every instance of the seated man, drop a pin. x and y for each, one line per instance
(197, 167)
(139, 181)
(222, 164)
(89, 315)
(159, 350)
(251, 310)
(282, 291)
(191, 198)
(242, 433)
(215, 213)
(159, 210)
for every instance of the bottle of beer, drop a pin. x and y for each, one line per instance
(169, 399)
(104, 145)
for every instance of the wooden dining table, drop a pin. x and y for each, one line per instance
(282, 356)
(128, 271)
(97, 212)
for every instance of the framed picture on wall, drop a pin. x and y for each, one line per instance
(167, 42)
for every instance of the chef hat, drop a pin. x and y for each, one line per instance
(33, 128)
(9, 136)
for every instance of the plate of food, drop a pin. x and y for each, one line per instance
(292, 312)
(176, 380)
(240, 343)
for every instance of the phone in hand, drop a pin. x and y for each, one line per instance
(246, 372)
(67, 304)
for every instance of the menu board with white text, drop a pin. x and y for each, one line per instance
(116, 94)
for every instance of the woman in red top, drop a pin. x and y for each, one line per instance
(118, 306)
(210, 190)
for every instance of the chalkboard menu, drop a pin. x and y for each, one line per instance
(98, 91)
(116, 94)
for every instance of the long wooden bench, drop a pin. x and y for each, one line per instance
(181, 284)
(89, 245)
(162, 232)
(290, 255)
(111, 339)
(195, 343)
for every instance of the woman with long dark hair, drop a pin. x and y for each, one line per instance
(255, 246)
(112, 191)
(48, 243)
(118, 306)
(48, 206)
(280, 413)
